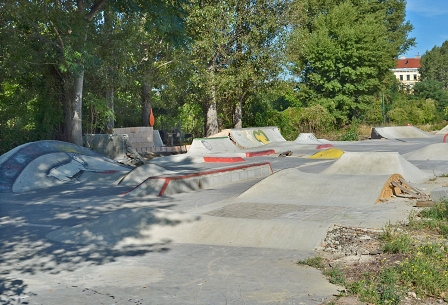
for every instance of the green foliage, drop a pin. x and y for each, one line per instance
(192, 119)
(413, 111)
(433, 66)
(97, 114)
(313, 119)
(352, 133)
(432, 89)
(316, 262)
(341, 63)
(335, 275)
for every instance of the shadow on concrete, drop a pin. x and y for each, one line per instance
(25, 222)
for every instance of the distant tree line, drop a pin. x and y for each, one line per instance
(73, 67)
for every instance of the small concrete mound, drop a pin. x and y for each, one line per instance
(433, 152)
(444, 130)
(398, 132)
(44, 164)
(376, 163)
(141, 173)
(309, 138)
(189, 182)
(291, 186)
(217, 145)
(145, 226)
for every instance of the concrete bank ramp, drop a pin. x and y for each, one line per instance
(44, 164)
(309, 138)
(256, 136)
(443, 131)
(398, 132)
(189, 182)
(146, 226)
(291, 186)
(217, 145)
(376, 163)
(141, 173)
(432, 152)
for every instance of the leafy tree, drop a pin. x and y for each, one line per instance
(63, 36)
(343, 51)
(432, 89)
(433, 65)
(236, 50)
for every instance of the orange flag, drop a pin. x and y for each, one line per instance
(151, 118)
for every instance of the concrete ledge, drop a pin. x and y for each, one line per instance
(439, 194)
(260, 153)
(174, 184)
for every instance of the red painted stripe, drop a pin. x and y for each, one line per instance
(260, 153)
(165, 185)
(322, 146)
(223, 159)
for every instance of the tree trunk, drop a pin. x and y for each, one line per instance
(75, 128)
(110, 103)
(238, 116)
(211, 126)
(146, 100)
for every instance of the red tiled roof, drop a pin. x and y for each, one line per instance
(408, 63)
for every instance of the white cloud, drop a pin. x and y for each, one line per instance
(428, 8)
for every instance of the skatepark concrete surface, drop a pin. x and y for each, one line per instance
(230, 233)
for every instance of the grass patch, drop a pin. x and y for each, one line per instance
(315, 262)
(414, 259)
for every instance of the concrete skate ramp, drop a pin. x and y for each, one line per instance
(443, 131)
(376, 163)
(145, 226)
(255, 137)
(438, 151)
(182, 183)
(207, 146)
(44, 164)
(157, 139)
(398, 132)
(309, 138)
(141, 173)
(291, 186)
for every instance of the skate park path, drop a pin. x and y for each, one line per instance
(235, 243)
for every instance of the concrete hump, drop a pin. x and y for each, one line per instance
(44, 164)
(256, 136)
(182, 183)
(443, 131)
(309, 138)
(146, 226)
(330, 153)
(207, 146)
(141, 173)
(398, 132)
(291, 186)
(376, 163)
(438, 151)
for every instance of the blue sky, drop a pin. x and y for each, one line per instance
(430, 21)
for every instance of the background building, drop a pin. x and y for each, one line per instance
(407, 71)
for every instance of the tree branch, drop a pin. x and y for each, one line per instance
(94, 9)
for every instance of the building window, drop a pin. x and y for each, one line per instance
(401, 77)
(408, 77)
(415, 76)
